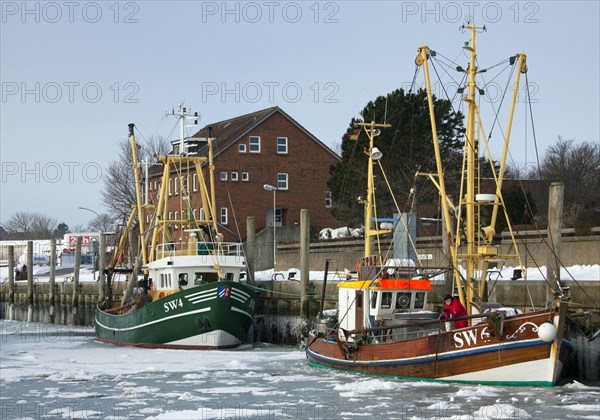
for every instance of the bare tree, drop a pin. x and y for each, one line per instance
(577, 165)
(102, 223)
(30, 225)
(118, 192)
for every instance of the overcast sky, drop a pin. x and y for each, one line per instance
(74, 74)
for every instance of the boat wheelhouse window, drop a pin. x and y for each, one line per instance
(198, 279)
(386, 300)
(229, 276)
(162, 281)
(373, 300)
(419, 300)
(403, 300)
(169, 282)
(183, 279)
(359, 299)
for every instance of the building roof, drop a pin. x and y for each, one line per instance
(228, 132)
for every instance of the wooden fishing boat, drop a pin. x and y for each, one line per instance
(382, 325)
(192, 295)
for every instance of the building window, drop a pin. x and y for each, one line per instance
(282, 145)
(194, 213)
(194, 182)
(242, 148)
(170, 185)
(282, 181)
(234, 176)
(154, 185)
(328, 199)
(245, 176)
(223, 176)
(254, 144)
(202, 213)
(176, 184)
(223, 215)
(278, 217)
(177, 218)
(170, 216)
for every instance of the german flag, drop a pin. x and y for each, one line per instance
(354, 134)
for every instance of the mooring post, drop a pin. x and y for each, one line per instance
(555, 224)
(29, 281)
(304, 262)
(11, 282)
(51, 281)
(101, 265)
(75, 300)
(251, 251)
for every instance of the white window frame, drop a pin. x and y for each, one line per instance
(250, 144)
(242, 148)
(328, 200)
(176, 218)
(223, 176)
(201, 213)
(235, 176)
(194, 182)
(245, 177)
(282, 184)
(170, 186)
(176, 185)
(223, 216)
(170, 216)
(285, 146)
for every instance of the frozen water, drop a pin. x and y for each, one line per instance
(69, 375)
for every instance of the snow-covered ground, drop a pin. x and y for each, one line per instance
(52, 371)
(577, 272)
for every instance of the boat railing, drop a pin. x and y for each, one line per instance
(172, 249)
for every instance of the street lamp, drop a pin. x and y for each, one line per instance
(93, 211)
(269, 187)
(101, 233)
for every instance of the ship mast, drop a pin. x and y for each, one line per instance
(478, 248)
(372, 130)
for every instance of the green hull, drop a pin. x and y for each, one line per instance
(209, 316)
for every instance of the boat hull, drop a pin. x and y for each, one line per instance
(470, 355)
(211, 316)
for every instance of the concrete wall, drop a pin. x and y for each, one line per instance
(582, 250)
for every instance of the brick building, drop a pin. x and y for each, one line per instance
(264, 147)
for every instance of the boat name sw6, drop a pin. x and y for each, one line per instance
(470, 337)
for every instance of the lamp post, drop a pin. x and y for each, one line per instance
(269, 187)
(101, 233)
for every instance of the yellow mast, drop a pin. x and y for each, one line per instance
(478, 252)
(138, 197)
(370, 206)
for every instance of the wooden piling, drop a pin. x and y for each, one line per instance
(251, 251)
(555, 222)
(29, 281)
(11, 282)
(75, 300)
(304, 262)
(101, 266)
(52, 280)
